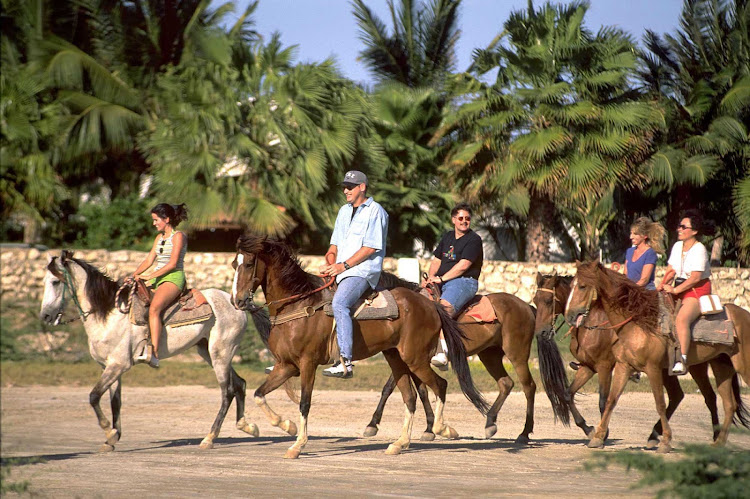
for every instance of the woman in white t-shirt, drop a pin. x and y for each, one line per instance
(689, 266)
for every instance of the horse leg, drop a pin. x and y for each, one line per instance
(723, 374)
(492, 358)
(372, 427)
(115, 403)
(111, 375)
(428, 435)
(699, 373)
(622, 373)
(307, 381)
(582, 376)
(655, 378)
(675, 396)
(528, 386)
(401, 375)
(281, 372)
(439, 387)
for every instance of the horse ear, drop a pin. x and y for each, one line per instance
(539, 279)
(66, 255)
(578, 263)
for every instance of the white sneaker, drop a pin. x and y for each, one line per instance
(680, 367)
(339, 370)
(440, 360)
(269, 369)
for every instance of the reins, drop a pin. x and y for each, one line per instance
(129, 283)
(68, 284)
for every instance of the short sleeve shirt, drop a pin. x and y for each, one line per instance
(368, 227)
(467, 247)
(695, 260)
(635, 268)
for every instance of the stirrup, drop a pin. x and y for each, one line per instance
(145, 355)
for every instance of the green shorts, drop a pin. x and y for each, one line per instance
(176, 277)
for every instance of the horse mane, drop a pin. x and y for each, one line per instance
(390, 281)
(624, 295)
(293, 278)
(100, 288)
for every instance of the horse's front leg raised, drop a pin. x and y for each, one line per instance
(109, 377)
(582, 376)
(275, 379)
(372, 427)
(620, 379)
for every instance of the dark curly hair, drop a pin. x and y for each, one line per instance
(175, 212)
(461, 206)
(697, 222)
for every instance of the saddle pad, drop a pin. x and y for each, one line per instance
(714, 328)
(479, 309)
(180, 313)
(383, 306)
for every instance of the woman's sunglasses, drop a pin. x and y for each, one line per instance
(161, 248)
(684, 227)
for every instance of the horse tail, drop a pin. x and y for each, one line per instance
(741, 415)
(262, 324)
(554, 379)
(457, 355)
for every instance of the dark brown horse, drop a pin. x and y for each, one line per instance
(511, 336)
(302, 344)
(591, 345)
(640, 347)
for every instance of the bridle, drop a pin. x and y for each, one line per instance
(68, 286)
(253, 279)
(592, 298)
(553, 330)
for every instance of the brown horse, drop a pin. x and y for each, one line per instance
(301, 344)
(633, 312)
(591, 345)
(511, 336)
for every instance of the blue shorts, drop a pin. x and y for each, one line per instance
(459, 291)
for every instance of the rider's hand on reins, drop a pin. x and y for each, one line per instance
(332, 270)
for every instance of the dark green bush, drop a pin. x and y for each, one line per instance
(124, 223)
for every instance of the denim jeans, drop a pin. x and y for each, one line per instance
(349, 291)
(459, 291)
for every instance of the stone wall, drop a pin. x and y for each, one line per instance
(23, 271)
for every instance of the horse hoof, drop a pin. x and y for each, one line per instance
(206, 444)
(522, 439)
(289, 427)
(393, 450)
(652, 444)
(596, 443)
(448, 432)
(664, 448)
(249, 428)
(106, 448)
(113, 436)
(427, 436)
(589, 431)
(490, 431)
(292, 453)
(371, 431)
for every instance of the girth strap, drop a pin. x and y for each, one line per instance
(299, 313)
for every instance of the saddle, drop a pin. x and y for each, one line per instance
(478, 310)
(717, 329)
(376, 305)
(190, 308)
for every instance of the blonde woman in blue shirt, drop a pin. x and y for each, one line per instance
(168, 277)
(640, 259)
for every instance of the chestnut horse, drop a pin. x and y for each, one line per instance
(511, 336)
(591, 345)
(301, 344)
(633, 312)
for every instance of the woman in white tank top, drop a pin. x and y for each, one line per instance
(168, 276)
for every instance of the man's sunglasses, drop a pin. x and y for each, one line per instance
(461, 219)
(349, 187)
(684, 227)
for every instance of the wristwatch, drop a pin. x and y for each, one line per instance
(347, 266)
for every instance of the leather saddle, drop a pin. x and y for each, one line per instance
(190, 308)
(374, 305)
(478, 309)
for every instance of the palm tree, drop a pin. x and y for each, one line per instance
(701, 75)
(559, 128)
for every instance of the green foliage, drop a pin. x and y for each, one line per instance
(124, 223)
(7, 486)
(704, 472)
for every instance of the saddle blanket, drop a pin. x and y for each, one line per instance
(381, 306)
(191, 308)
(479, 309)
(714, 328)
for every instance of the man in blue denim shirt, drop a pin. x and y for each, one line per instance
(358, 248)
(456, 268)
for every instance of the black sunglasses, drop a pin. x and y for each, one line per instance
(684, 227)
(161, 249)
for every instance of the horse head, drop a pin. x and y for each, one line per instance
(551, 294)
(59, 286)
(583, 292)
(249, 271)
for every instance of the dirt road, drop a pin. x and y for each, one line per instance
(158, 455)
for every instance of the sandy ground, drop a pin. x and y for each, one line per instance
(159, 456)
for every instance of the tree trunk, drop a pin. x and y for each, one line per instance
(541, 212)
(32, 231)
(716, 251)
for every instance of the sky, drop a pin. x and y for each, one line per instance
(325, 28)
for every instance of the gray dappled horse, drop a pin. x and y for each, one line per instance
(114, 341)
